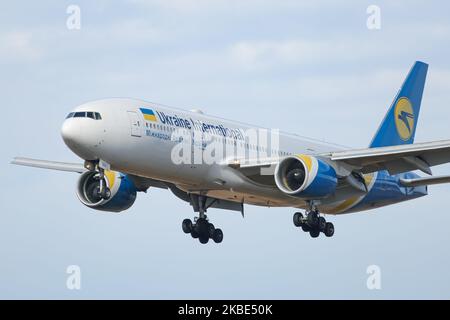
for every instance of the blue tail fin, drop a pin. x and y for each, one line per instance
(399, 124)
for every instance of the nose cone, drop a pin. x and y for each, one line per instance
(80, 138)
(70, 133)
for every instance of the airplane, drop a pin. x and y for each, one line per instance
(129, 146)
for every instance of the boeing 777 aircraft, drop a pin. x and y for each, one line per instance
(131, 145)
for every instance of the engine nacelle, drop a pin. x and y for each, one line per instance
(123, 191)
(305, 177)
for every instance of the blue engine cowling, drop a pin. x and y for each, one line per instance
(123, 191)
(305, 177)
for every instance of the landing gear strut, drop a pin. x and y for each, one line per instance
(313, 223)
(101, 190)
(201, 228)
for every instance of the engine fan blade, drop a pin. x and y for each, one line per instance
(295, 176)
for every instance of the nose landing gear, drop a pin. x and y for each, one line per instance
(101, 190)
(313, 223)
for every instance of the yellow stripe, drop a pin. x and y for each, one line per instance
(150, 117)
(307, 160)
(111, 177)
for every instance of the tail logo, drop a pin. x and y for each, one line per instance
(404, 118)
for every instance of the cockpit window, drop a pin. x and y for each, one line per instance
(88, 114)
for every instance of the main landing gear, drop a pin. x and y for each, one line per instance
(201, 228)
(313, 223)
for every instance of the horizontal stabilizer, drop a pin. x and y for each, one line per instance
(424, 181)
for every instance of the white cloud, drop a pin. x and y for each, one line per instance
(255, 54)
(41, 42)
(18, 45)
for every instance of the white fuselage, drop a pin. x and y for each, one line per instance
(130, 143)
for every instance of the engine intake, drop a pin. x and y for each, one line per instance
(305, 177)
(123, 191)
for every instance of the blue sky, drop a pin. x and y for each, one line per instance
(308, 68)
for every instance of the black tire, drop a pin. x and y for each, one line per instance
(187, 226)
(211, 230)
(314, 233)
(107, 194)
(217, 236)
(313, 219)
(202, 228)
(194, 233)
(322, 224)
(329, 229)
(306, 228)
(203, 239)
(298, 219)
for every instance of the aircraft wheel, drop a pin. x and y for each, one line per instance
(203, 239)
(314, 233)
(322, 224)
(217, 236)
(107, 194)
(313, 219)
(187, 226)
(305, 227)
(211, 230)
(298, 218)
(329, 229)
(202, 227)
(194, 233)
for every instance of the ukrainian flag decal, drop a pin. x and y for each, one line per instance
(149, 115)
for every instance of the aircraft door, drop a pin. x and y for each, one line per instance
(135, 123)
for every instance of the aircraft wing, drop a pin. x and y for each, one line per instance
(395, 159)
(52, 165)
